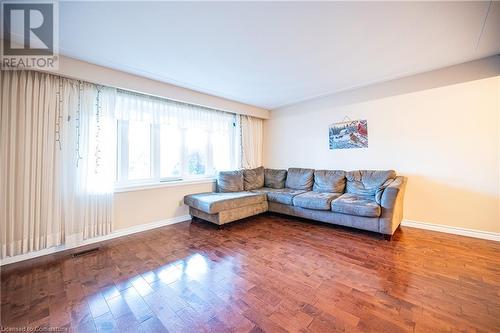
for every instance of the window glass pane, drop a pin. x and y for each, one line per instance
(170, 152)
(139, 150)
(196, 152)
(222, 151)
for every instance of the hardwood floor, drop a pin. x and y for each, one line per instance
(267, 273)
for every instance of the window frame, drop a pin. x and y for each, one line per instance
(122, 159)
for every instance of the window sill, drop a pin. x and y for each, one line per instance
(150, 186)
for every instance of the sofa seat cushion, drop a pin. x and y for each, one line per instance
(315, 200)
(284, 195)
(266, 190)
(213, 203)
(354, 204)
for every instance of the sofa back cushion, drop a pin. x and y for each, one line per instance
(300, 179)
(230, 181)
(331, 181)
(367, 182)
(274, 178)
(253, 178)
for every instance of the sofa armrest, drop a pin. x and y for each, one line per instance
(391, 192)
(392, 205)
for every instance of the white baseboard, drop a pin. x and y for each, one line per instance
(494, 236)
(73, 242)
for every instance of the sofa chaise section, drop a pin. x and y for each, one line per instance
(221, 208)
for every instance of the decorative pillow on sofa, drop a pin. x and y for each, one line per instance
(230, 181)
(331, 181)
(300, 179)
(253, 178)
(274, 178)
(367, 182)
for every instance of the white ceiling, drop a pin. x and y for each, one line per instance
(274, 54)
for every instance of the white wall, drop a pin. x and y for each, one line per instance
(134, 208)
(441, 129)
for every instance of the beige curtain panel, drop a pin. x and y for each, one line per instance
(30, 203)
(252, 133)
(53, 185)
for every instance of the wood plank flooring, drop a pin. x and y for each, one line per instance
(263, 274)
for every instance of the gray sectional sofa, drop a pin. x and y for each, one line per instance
(364, 199)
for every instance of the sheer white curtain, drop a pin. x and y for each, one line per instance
(155, 110)
(252, 133)
(90, 160)
(47, 125)
(222, 132)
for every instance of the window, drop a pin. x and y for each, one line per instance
(171, 152)
(161, 140)
(139, 150)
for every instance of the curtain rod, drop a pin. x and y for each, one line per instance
(163, 99)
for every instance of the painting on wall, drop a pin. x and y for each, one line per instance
(348, 134)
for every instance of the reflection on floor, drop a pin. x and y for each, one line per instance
(266, 273)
